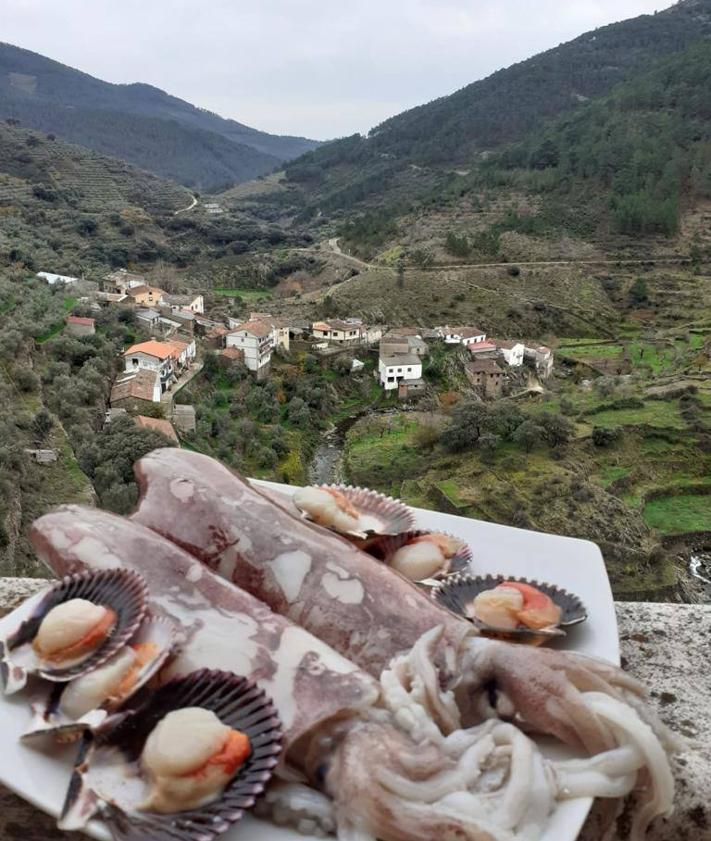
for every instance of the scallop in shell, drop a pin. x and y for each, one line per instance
(110, 780)
(459, 593)
(353, 512)
(74, 627)
(422, 556)
(64, 710)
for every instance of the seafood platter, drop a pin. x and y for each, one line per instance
(246, 660)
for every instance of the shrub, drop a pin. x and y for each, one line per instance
(603, 436)
(528, 435)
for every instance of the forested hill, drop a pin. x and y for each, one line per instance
(503, 108)
(634, 159)
(138, 123)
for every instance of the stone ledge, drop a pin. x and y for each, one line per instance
(666, 646)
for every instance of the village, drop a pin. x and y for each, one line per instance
(178, 334)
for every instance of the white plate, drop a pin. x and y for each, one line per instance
(576, 565)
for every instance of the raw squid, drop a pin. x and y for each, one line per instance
(371, 615)
(375, 749)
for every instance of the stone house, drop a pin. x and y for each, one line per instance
(191, 303)
(486, 376)
(80, 326)
(149, 318)
(120, 280)
(132, 390)
(391, 345)
(144, 296)
(410, 388)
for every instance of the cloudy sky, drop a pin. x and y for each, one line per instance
(310, 67)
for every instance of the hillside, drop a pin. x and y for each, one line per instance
(138, 123)
(453, 131)
(63, 207)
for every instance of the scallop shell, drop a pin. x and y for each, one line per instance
(379, 514)
(457, 591)
(123, 590)
(237, 702)
(383, 547)
(50, 720)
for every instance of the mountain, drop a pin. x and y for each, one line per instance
(138, 123)
(633, 158)
(456, 131)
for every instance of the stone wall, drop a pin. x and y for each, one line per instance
(666, 646)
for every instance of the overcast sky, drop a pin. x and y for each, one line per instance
(310, 67)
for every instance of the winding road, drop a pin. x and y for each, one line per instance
(189, 207)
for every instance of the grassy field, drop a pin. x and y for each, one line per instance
(677, 514)
(244, 294)
(659, 413)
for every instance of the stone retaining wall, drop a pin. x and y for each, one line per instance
(666, 646)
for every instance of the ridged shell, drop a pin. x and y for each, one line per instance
(457, 591)
(237, 702)
(123, 591)
(50, 720)
(383, 547)
(379, 514)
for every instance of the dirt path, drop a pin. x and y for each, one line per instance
(333, 246)
(189, 207)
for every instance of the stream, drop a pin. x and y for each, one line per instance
(326, 467)
(700, 568)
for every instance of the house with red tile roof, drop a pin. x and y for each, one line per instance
(165, 427)
(77, 325)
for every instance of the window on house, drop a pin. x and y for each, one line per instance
(134, 360)
(409, 370)
(391, 379)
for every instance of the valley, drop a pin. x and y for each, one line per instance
(581, 227)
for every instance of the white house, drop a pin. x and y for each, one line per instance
(256, 339)
(165, 358)
(279, 325)
(461, 335)
(542, 356)
(335, 330)
(511, 350)
(395, 369)
(52, 279)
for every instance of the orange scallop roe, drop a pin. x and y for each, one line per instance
(443, 542)
(539, 610)
(344, 503)
(145, 651)
(90, 641)
(232, 755)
